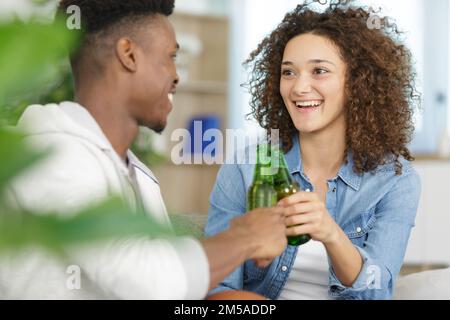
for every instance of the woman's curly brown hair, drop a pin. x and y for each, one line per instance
(380, 87)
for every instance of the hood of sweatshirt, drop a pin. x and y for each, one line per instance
(65, 118)
(73, 119)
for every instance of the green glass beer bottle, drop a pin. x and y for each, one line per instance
(262, 194)
(285, 186)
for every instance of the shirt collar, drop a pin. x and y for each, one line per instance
(294, 161)
(92, 131)
(348, 175)
(84, 119)
(135, 162)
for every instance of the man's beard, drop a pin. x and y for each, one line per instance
(159, 128)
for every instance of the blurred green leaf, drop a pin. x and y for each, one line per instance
(41, 2)
(57, 88)
(29, 53)
(111, 219)
(15, 156)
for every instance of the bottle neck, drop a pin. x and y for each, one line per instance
(279, 167)
(263, 167)
(263, 174)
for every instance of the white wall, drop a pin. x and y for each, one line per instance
(203, 7)
(430, 238)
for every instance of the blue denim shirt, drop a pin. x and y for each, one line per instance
(376, 211)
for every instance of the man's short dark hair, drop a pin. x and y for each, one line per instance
(97, 15)
(104, 21)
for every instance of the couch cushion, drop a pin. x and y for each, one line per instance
(426, 285)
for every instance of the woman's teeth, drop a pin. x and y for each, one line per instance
(308, 104)
(170, 96)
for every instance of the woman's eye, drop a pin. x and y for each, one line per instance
(287, 73)
(320, 71)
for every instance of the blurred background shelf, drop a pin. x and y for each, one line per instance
(430, 157)
(202, 64)
(204, 87)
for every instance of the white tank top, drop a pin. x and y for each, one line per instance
(308, 279)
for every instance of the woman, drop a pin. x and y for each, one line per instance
(340, 92)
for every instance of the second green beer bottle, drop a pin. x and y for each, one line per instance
(285, 186)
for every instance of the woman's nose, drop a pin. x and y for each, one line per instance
(302, 85)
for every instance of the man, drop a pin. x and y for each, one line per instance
(125, 77)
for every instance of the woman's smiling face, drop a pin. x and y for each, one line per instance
(312, 83)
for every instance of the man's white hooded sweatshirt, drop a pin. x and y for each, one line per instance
(83, 169)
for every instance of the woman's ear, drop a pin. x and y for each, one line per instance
(126, 53)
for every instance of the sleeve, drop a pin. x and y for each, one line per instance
(386, 244)
(227, 201)
(132, 268)
(161, 269)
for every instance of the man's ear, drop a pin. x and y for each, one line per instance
(126, 53)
